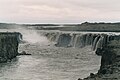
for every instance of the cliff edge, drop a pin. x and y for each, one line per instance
(110, 62)
(8, 45)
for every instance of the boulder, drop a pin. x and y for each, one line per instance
(24, 53)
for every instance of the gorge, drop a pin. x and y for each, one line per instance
(63, 55)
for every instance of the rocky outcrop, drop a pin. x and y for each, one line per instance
(110, 62)
(24, 53)
(9, 45)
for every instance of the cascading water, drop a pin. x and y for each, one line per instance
(75, 40)
(72, 40)
(81, 40)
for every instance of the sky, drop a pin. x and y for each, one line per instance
(59, 11)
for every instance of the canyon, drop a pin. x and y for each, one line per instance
(67, 46)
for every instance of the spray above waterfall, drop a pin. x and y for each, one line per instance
(32, 36)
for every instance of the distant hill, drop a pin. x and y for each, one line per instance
(8, 25)
(114, 27)
(103, 27)
(13, 25)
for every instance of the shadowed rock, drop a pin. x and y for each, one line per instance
(110, 62)
(8, 46)
(24, 53)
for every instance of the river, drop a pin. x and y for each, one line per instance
(48, 62)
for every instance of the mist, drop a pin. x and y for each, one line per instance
(29, 36)
(32, 36)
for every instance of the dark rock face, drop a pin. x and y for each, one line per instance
(110, 62)
(64, 40)
(24, 53)
(8, 46)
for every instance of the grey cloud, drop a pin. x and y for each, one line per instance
(59, 10)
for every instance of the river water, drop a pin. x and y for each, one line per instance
(48, 62)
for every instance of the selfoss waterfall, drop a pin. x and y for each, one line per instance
(56, 55)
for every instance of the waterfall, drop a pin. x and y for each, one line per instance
(95, 42)
(81, 40)
(78, 41)
(57, 37)
(72, 40)
(75, 40)
(98, 43)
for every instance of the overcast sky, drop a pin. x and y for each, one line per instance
(59, 11)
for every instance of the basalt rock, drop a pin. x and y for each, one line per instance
(9, 46)
(24, 53)
(110, 62)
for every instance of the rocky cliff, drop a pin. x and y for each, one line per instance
(110, 62)
(9, 45)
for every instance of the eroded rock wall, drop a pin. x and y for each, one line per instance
(110, 62)
(9, 45)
